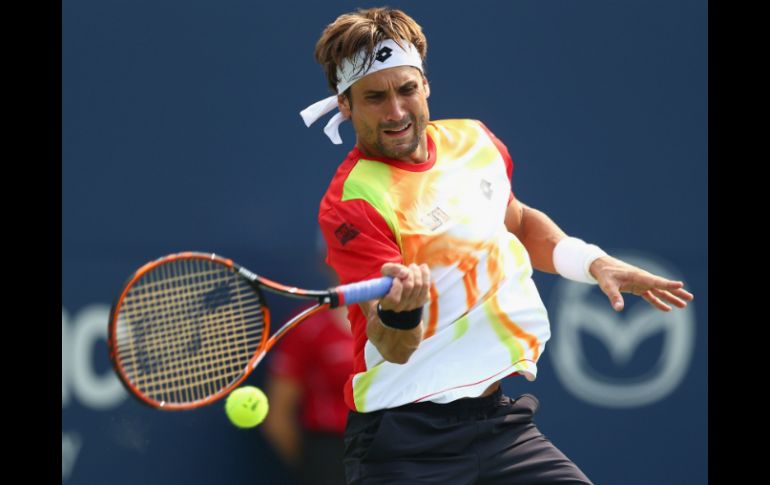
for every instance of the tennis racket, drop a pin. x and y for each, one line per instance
(188, 328)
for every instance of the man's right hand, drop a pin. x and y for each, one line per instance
(411, 287)
(410, 290)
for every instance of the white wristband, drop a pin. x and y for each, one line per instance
(572, 257)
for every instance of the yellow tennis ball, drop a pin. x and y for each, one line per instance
(246, 406)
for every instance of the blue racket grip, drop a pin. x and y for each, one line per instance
(364, 290)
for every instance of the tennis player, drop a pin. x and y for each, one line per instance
(430, 203)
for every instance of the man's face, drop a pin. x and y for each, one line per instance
(390, 112)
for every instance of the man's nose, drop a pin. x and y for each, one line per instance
(394, 109)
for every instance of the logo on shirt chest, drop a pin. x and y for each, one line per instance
(486, 189)
(434, 219)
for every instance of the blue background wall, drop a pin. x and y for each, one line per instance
(180, 131)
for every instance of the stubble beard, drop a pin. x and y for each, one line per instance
(399, 151)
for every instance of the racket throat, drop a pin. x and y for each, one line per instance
(333, 298)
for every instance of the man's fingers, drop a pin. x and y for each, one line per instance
(683, 294)
(416, 274)
(646, 281)
(671, 285)
(661, 291)
(654, 301)
(675, 288)
(670, 298)
(393, 297)
(617, 304)
(613, 293)
(411, 286)
(407, 294)
(425, 292)
(656, 290)
(395, 270)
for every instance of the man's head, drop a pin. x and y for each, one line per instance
(388, 107)
(364, 29)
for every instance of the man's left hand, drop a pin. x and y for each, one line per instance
(615, 276)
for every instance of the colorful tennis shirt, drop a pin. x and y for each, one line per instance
(485, 319)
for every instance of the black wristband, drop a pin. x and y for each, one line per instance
(400, 320)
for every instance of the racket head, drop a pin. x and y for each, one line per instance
(186, 329)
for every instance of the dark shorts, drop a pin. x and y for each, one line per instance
(321, 462)
(470, 441)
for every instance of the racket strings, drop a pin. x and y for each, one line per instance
(193, 339)
(187, 329)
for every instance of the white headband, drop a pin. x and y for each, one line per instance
(388, 54)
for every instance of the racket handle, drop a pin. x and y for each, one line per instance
(363, 290)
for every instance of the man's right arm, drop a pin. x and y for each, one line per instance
(410, 290)
(359, 244)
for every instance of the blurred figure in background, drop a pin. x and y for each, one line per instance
(306, 375)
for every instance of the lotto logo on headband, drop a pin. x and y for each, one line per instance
(383, 54)
(388, 54)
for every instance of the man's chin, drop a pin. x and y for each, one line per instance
(400, 148)
(397, 154)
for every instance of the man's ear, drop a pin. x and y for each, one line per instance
(426, 85)
(344, 105)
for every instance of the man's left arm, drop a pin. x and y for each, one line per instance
(540, 236)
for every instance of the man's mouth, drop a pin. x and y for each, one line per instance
(399, 131)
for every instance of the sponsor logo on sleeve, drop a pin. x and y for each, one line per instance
(345, 232)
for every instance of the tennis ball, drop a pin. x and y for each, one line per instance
(246, 406)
